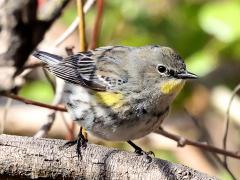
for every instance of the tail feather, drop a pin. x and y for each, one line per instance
(47, 57)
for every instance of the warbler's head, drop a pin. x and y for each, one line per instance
(165, 69)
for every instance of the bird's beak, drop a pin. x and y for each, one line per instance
(186, 75)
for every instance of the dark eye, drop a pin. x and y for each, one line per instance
(161, 69)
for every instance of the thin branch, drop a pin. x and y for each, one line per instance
(35, 103)
(97, 25)
(82, 40)
(49, 79)
(45, 128)
(81, 26)
(52, 114)
(33, 65)
(25, 70)
(74, 24)
(236, 89)
(205, 134)
(38, 28)
(61, 39)
(70, 127)
(60, 84)
(181, 142)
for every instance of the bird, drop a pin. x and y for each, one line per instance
(119, 93)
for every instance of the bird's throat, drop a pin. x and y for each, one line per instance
(172, 86)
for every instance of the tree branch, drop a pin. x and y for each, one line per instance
(74, 25)
(181, 142)
(21, 31)
(97, 25)
(81, 26)
(35, 103)
(225, 163)
(27, 157)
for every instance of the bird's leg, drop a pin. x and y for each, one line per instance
(139, 150)
(81, 143)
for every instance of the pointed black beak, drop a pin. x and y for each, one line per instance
(186, 75)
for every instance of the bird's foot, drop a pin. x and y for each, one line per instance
(81, 144)
(141, 152)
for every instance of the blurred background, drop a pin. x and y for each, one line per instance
(206, 33)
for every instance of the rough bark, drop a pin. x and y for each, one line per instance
(20, 32)
(27, 157)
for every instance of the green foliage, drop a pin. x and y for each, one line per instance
(205, 33)
(69, 15)
(201, 62)
(37, 90)
(201, 31)
(220, 20)
(196, 29)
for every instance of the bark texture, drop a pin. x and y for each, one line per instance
(20, 32)
(28, 157)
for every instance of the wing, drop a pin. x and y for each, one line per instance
(97, 70)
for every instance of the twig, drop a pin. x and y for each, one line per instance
(45, 128)
(236, 89)
(207, 137)
(25, 70)
(70, 127)
(82, 41)
(74, 24)
(181, 142)
(52, 114)
(49, 79)
(42, 132)
(97, 25)
(62, 38)
(33, 65)
(81, 26)
(35, 103)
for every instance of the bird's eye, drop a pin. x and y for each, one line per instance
(161, 69)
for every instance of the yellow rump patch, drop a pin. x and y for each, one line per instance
(110, 99)
(172, 86)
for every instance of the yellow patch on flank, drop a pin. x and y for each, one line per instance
(110, 99)
(172, 86)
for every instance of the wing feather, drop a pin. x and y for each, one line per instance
(83, 69)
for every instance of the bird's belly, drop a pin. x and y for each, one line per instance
(127, 130)
(105, 122)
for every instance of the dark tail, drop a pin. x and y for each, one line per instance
(47, 57)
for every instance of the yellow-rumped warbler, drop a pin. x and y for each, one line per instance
(119, 93)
